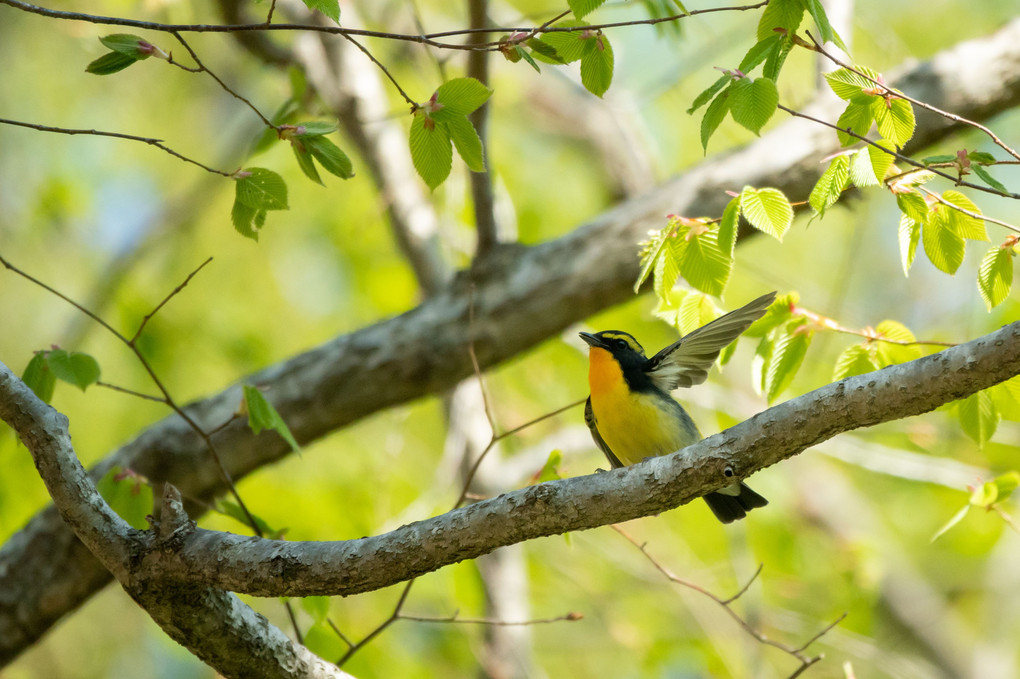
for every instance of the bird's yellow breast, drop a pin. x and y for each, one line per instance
(634, 425)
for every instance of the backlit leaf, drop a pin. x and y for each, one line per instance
(995, 275)
(767, 209)
(752, 103)
(431, 150)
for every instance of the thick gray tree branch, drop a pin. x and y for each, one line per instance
(212, 624)
(522, 296)
(193, 558)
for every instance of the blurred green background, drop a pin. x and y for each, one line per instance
(117, 225)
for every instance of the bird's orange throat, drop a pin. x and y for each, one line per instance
(604, 373)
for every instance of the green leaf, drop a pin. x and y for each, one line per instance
(597, 65)
(707, 94)
(790, 347)
(75, 368)
(468, 143)
(856, 359)
(1006, 483)
(895, 119)
(261, 189)
(981, 158)
(979, 417)
(111, 62)
(828, 33)
(956, 518)
(944, 247)
(314, 128)
(569, 45)
(705, 265)
(330, 8)
(431, 151)
(582, 8)
(127, 494)
(758, 52)
(262, 415)
(544, 51)
(667, 267)
(767, 209)
(695, 310)
(881, 159)
(131, 45)
(913, 205)
(523, 54)
(894, 352)
(857, 117)
(244, 219)
(316, 606)
(971, 228)
(848, 85)
(830, 185)
(995, 276)
(940, 158)
(862, 172)
(39, 378)
(728, 227)
(714, 114)
(786, 14)
(462, 95)
(329, 155)
(305, 162)
(650, 252)
(323, 641)
(666, 309)
(909, 236)
(753, 103)
(550, 470)
(777, 57)
(988, 178)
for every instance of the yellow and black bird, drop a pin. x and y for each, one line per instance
(630, 411)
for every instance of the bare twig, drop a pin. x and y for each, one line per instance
(117, 135)
(378, 630)
(148, 316)
(869, 334)
(569, 617)
(970, 213)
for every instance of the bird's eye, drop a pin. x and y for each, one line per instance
(622, 344)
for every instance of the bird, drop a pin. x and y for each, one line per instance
(630, 411)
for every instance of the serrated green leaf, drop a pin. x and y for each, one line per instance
(330, 156)
(968, 226)
(73, 367)
(1006, 396)
(881, 159)
(785, 14)
(667, 267)
(825, 29)
(462, 95)
(758, 52)
(569, 45)
(39, 378)
(128, 495)
(768, 210)
(779, 312)
(666, 309)
(775, 59)
(582, 8)
(988, 178)
(862, 173)
(981, 158)
(133, 46)
(939, 158)
(243, 217)
(261, 189)
(544, 51)
(262, 415)
(979, 417)
(857, 117)
(305, 162)
(728, 226)
(913, 205)
(995, 276)
(705, 265)
(895, 119)
(431, 151)
(468, 143)
(695, 310)
(706, 95)
(847, 84)
(650, 253)
(956, 518)
(314, 128)
(111, 62)
(830, 185)
(894, 352)
(909, 237)
(790, 347)
(752, 103)
(330, 8)
(597, 65)
(856, 359)
(714, 114)
(944, 247)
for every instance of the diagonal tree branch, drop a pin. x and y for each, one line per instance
(523, 295)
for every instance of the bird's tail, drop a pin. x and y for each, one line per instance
(734, 502)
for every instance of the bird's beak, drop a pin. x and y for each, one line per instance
(592, 340)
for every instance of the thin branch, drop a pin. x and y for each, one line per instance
(222, 84)
(969, 213)
(269, 16)
(148, 316)
(869, 334)
(131, 392)
(117, 135)
(569, 617)
(382, 68)
(888, 91)
(797, 653)
(378, 630)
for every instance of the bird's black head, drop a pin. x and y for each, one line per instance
(624, 348)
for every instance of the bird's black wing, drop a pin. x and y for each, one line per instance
(589, 419)
(687, 361)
